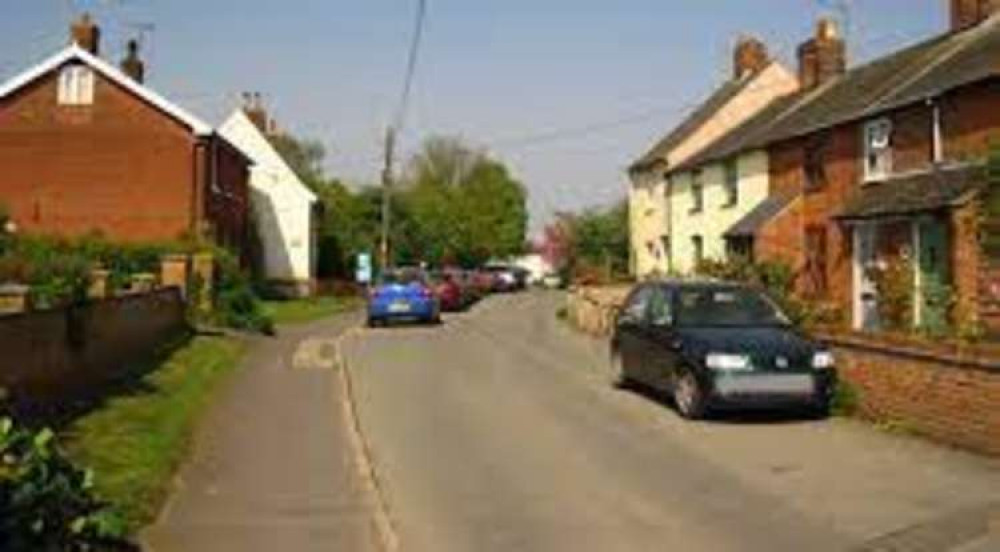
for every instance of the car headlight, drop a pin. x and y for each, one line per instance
(823, 360)
(728, 362)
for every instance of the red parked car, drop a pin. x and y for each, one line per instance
(448, 291)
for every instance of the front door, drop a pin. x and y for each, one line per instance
(933, 276)
(658, 355)
(865, 291)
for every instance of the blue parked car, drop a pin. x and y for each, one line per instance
(403, 294)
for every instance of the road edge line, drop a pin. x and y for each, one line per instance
(384, 526)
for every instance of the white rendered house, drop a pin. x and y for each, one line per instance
(284, 207)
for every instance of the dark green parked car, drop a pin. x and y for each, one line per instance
(714, 346)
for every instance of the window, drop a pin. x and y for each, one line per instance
(878, 149)
(731, 183)
(698, 249)
(814, 162)
(635, 309)
(659, 308)
(739, 248)
(76, 85)
(697, 192)
(815, 268)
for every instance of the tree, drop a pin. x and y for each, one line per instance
(460, 206)
(596, 242)
(304, 156)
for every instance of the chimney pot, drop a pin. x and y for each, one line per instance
(86, 34)
(749, 57)
(822, 57)
(132, 65)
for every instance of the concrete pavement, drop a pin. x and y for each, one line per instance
(275, 466)
(500, 431)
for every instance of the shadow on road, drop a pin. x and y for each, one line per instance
(760, 416)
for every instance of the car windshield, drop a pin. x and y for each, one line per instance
(719, 306)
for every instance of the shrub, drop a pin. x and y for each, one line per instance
(846, 399)
(236, 304)
(46, 503)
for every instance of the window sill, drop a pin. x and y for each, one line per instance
(695, 211)
(730, 205)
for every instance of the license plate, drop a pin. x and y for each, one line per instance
(399, 307)
(785, 384)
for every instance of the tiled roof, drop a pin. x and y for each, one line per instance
(909, 75)
(919, 192)
(723, 95)
(740, 138)
(758, 216)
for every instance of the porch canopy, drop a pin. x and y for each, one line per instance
(913, 193)
(758, 217)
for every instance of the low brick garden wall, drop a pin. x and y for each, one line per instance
(949, 393)
(51, 357)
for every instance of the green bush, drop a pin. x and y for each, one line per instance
(236, 305)
(846, 399)
(46, 503)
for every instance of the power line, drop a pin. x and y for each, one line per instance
(411, 64)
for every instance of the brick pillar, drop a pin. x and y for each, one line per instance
(15, 298)
(98, 283)
(174, 272)
(966, 259)
(203, 270)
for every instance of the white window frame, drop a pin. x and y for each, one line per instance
(877, 149)
(76, 85)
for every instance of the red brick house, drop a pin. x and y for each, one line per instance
(882, 165)
(86, 147)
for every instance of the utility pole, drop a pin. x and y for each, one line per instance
(390, 146)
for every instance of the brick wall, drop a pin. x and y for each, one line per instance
(65, 354)
(118, 166)
(949, 394)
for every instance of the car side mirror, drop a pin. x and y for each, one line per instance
(626, 319)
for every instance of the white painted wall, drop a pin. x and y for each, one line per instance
(653, 211)
(714, 219)
(282, 204)
(647, 225)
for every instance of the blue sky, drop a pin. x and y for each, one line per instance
(504, 74)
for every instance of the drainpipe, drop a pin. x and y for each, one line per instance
(936, 136)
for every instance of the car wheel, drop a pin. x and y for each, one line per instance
(689, 397)
(373, 322)
(620, 378)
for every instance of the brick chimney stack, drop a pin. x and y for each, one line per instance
(86, 34)
(969, 13)
(132, 65)
(750, 57)
(822, 57)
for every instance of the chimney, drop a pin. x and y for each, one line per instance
(132, 65)
(253, 106)
(822, 57)
(86, 34)
(750, 57)
(969, 13)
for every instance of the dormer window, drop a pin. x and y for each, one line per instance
(878, 149)
(76, 85)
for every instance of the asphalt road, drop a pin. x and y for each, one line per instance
(500, 431)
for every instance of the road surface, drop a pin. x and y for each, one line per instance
(500, 431)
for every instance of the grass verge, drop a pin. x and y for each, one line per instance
(135, 442)
(298, 311)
